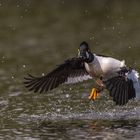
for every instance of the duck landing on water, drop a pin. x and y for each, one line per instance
(109, 73)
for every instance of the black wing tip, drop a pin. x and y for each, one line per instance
(71, 68)
(40, 84)
(29, 82)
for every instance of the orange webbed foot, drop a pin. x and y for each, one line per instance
(94, 93)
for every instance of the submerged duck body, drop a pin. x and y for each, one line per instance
(109, 73)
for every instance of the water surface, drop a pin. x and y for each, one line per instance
(37, 35)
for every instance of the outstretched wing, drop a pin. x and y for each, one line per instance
(122, 88)
(71, 71)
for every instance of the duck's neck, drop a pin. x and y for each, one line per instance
(90, 59)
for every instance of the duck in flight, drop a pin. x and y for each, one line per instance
(109, 73)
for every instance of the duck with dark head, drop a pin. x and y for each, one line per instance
(109, 73)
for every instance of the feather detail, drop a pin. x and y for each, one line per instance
(71, 71)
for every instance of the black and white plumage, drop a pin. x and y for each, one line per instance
(121, 81)
(123, 88)
(71, 71)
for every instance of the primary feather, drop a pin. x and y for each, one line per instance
(71, 71)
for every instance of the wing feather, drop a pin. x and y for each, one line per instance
(71, 71)
(121, 89)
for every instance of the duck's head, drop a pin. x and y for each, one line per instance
(84, 52)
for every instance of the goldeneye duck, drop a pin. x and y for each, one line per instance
(109, 73)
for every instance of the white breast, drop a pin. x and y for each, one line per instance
(104, 66)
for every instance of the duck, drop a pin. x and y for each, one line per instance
(121, 82)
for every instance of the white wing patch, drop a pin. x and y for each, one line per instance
(72, 80)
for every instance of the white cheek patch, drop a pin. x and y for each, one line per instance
(87, 54)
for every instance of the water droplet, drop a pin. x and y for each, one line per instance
(2, 61)
(86, 11)
(62, 2)
(59, 101)
(43, 74)
(24, 66)
(17, 6)
(67, 95)
(21, 17)
(58, 110)
(113, 27)
(26, 10)
(61, 91)
(3, 57)
(92, 38)
(13, 28)
(12, 77)
(0, 4)
(118, 23)
(107, 16)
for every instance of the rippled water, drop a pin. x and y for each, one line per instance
(37, 35)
